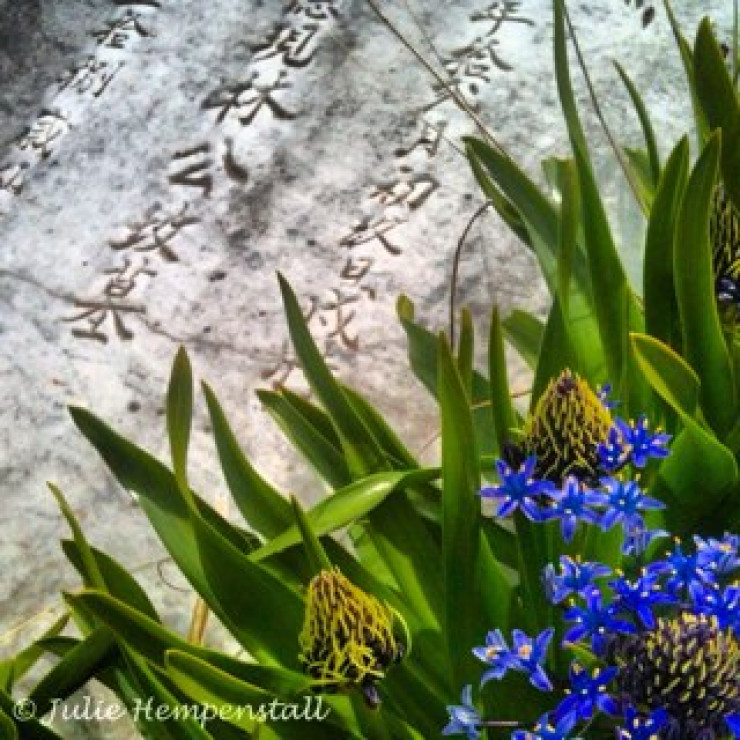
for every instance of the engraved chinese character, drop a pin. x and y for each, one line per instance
(12, 177)
(429, 140)
(195, 164)
(318, 10)
(123, 279)
(355, 269)
(340, 318)
(121, 30)
(155, 234)
(94, 76)
(44, 133)
(294, 46)
(95, 313)
(367, 230)
(411, 192)
(246, 99)
(500, 12)
(480, 55)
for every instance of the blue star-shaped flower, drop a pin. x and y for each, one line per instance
(639, 597)
(724, 604)
(529, 655)
(596, 621)
(464, 718)
(625, 502)
(733, 724)
(686, 576)
(641, 442)
(613, 455)
(639, 727)
(496, 654)
(571, 505)
(574, 578)
(603, 392)
(588, 693)
(723, 556)
(519, 489)
(545, 730)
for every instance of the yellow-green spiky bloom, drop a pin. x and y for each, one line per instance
(689, 667)
(565, 429)
(347, 638)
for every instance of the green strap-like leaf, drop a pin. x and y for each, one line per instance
(260, 504)
(647, 127)
(460, 516)
(28, 729)
(179, 418)
(328, 461)
(345, 506)
(525, 332)
(704, 343)
(315, 553)
(661, 309)
(719, 101)
(361, 448)
(668, 373)
(75, 669)
(502, 412)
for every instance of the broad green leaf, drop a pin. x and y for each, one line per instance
(608, 280)
(315, 553)
(525, 332)
(668, 373)
(152, 641)
(556, 353)
(703, 340)
(694, 482)
(75, 669)
(260, 504)
(23, 661)
(179, 418)
(262, 611)
(118, 582)
(324, 457)
(640, 175)
(568, 232)
(91, 573)
(647, 127)
(460, 516)
(502, 412)
(363, 452)
(687, 58)
(396, 452)
(720, 103)
(661, 309)
(346, 506)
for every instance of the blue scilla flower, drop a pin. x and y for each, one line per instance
(545, 730)
(723, 556)
(596, 621)
(733, 724)
(686, 576)
(588, 693)
(529, 656)
(613, 454)
(637, 726)
(464, 718)
(574, 578)
(495, 653)
(603, 392)
(639, 597)
(625, 502)
(573, 504)
(641, 442)
(723, 604)
(519, 489)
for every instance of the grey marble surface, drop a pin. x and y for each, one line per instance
(164, 160)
